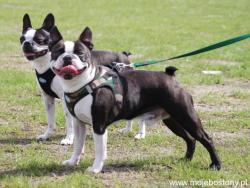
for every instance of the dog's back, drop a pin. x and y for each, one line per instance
(105, 58)
(145, 88)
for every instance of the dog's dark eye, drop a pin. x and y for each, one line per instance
(46, 40)
(40, 41)
(22, 39)
(82, 57)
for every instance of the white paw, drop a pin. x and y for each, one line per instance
(67, 141)
(140, 136)
(124, 130)
(92, 169)
(43, 137)
(70, 162)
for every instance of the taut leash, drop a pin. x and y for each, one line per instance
(120, 66)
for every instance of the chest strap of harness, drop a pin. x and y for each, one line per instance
(45, 80)
(105, 78)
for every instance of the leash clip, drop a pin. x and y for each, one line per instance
(119, 67)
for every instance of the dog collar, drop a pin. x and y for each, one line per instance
(45, 80)
(104, 78)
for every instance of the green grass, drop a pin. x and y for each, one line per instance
(153, 29)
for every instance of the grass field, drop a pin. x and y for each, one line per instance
(150, 30)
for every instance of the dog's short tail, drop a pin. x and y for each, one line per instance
(127, 53)
(170, 70)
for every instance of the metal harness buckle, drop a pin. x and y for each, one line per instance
(119, 66)
(89, 89)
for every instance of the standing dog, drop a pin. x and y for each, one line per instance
(34, 44)
(35, 48)
(98, 97)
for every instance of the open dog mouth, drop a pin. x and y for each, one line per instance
(34, 55)
(67, 72)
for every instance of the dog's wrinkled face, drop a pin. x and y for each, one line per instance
(70, 59)
(35, 42)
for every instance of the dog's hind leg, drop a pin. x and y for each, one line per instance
(196, 130)
(185, 114)
(142, 130)
(127, 128)
(50, 110)
(68, 140)
(192, 124)
(177, 129)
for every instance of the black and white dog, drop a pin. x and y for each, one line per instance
(34, 44)
(92, 99)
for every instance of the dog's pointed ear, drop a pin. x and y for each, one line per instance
(26, 22)
(49, 22)
(55, 37)
(86, 38)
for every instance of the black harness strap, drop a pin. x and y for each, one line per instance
(103, 79)
(72, 98)
(45, 80)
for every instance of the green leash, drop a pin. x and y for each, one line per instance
(195, 52)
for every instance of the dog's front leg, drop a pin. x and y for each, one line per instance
(79, 142)
(50, 110)
(100, 152)
(68, 140)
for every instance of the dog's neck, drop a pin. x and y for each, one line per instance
(42, 64)
(70, 86)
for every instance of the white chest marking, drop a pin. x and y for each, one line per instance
(42, 64)
(69, 47)
(56, 86)
(83, 109)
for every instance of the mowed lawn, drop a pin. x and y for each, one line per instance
(150, 30)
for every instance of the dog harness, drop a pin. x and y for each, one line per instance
(45, 80)
(105, 78)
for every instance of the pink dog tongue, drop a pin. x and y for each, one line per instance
(29, 54)
(69, 69)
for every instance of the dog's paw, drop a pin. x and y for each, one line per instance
(70, 162)
(124, 130)
(45, 136)
(42, 137)
(215, 166)
(92, 169)
(139, 136)
(67, 141)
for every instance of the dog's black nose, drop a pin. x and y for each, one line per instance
(27, 46)
(67, 60)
